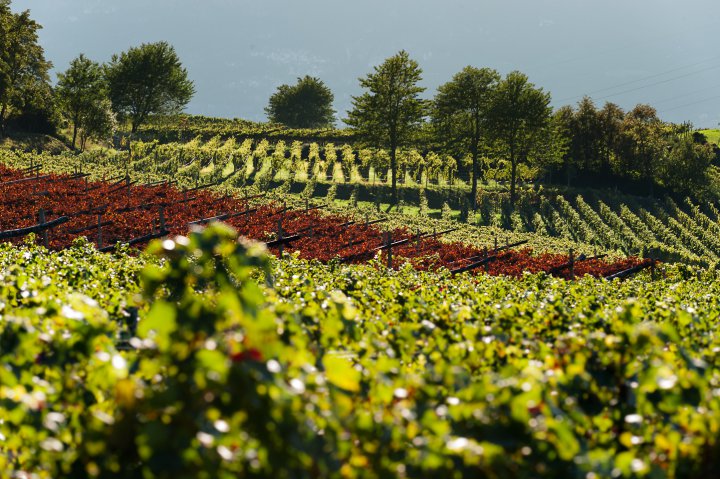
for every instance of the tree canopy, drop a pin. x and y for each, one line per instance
(80, 89)
(307, 104)
(148, 79)
(460, 113)
(391, 111)
(520, 122)
(24, 80)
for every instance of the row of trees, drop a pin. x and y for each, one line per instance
(608, 145)
(142, 81)
(475, 111)
(508, 119)
(135, 84)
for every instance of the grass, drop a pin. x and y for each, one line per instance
(32, 142)
(713, 136)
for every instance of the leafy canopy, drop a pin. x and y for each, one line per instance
(307, 104)
(460, 113)
(24, 80)
(148, 79)
(390, 113)
(80, 93)
(521, 127)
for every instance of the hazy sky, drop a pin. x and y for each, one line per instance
(662, 52)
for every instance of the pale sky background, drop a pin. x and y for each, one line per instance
(662, 52)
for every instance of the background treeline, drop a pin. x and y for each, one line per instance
(90, 98)
(633, 150)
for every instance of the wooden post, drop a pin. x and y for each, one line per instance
(280, 237)
(162, 218)
(652, 268)
(572, 264)
(127, 182)
(41, 217)
(389, 250)
(99, 234)
(417, 241)
(307, 204)
(495, 243)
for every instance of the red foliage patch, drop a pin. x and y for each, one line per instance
(134, 211)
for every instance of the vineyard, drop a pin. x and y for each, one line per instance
(671, 230)
(120, 211)
(687, 231)
(299, 369)
(370, 344)
(186, 127)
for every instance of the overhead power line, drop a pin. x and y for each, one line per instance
(695, 92)
(691, 104)
(650, 77)
(659, 82)
(642, 87)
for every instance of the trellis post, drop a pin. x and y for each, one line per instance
(281, 246)
(99, 234)
(389, 249)
(41, 217)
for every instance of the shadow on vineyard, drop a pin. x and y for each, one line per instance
(671, 229)
(119, 211)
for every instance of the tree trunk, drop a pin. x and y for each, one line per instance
(393, 171)
(2, 119)
(513, 175)
(474, 178)
(75, 129)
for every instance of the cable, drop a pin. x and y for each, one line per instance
(690, 104)
(714, 87)
(657, 83)
(639, 79)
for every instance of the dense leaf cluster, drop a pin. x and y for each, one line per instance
(296, 369)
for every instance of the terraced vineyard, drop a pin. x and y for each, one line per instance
(122, 212)
(669, 230)
(687, 231)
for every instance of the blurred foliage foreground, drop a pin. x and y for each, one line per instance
(245, 366)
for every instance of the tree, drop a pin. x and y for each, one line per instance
(79, 91)
(520, 122)
(564, 120)
(23, 68)
(686, 163)
(642, 144)
(308, 104)
(99, 122)
(390, 112)
(587, 137)
(610, 119)
(460, 113)
(148, 79)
